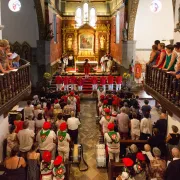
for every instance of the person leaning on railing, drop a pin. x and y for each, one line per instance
(154, 55)
(4, 62)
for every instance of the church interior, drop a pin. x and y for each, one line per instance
(90, 89)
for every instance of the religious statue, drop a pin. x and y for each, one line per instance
(102, 40)
(69, 42)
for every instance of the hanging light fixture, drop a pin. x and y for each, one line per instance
(14, 5)
(156, 6)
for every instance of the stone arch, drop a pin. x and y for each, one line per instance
(40, 10)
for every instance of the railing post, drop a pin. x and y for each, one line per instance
(174, 91)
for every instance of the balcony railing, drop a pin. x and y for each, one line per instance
(14, 86)
(163, 86)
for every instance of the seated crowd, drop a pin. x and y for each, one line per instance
(38, 146)
(122, 119)
(166, 57)
(8, 60)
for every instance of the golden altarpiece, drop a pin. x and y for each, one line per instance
(86, 41)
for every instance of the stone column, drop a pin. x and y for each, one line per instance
(129, 48)
(1, 26)
(75, 43)
(96, 43)
(108, 36)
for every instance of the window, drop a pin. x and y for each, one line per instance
(55, 28)
(85, 12)
(117, 27)
(92, 17)
(85, 15)
(78, 16)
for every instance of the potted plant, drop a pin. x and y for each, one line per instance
(126, 79)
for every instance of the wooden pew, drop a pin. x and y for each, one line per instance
(114, 169)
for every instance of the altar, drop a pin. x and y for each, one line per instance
(79, 66)
(86, 42)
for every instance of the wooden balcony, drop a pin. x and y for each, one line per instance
(14, 86)
(165, 88)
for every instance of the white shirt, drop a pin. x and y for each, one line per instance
(48, 171)
(37, 111)
(39, 123)
(25, 138)
(28, 111)
(64, 145)
(104, 123)
(48, 144)
(146, 126)
(31, 125)
(73, 123)
(135, 127)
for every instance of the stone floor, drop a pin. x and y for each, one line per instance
(88, 137)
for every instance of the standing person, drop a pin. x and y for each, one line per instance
(66, 82)
(110, 80)
(177, 51)
(103, 80)
(39, 122)
(135, 127)
(46, 166)
(118, 82)
(25, 138)
(73, 82)
(15, 166)
(80, 83)
(123, 123)
(11, 140)
(102, 62)
(146, 108)
(101, 92)
(63, 141)
(38, 110)
(153, 56)
(59, 82)
(31, 123)
(145, 127)
(46, 139)
(29, 110)
(18, 123)
(173, 139)
(162, 56)
(59, 169)
(33, 161)
(112, 139)
(73, 124)
(105, 120)
(161, 125)
(72, 99)
(87, 67)
(173, 169)
(48, 110)
(59, 120)
(94, 82)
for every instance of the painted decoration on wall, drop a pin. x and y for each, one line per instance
(86, 42)
(156, 6)
(14, 5)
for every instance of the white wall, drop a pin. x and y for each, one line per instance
(150, 26)
(4, 130)
(20, 26)
(177, 34)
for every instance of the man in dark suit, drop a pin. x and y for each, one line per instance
(173, 169)
(161, 125)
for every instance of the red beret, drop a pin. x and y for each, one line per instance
(114, 103)
(140, 156)
(72, 93)
(127, 162)
(102, 97)
(46, 156)
(58, 160)
(56, 101)
(63, 126)
(46, 125)
(111, 126)
(105, 102)
(107, 110)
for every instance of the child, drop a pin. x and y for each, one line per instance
(94, 82)
(46, 167)
(118, 83)
(110, 82)
(86, 68)
(59, 169)
(66, 83)
(103, 81)
(59, 82)
(72, 82)
(11, 140)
